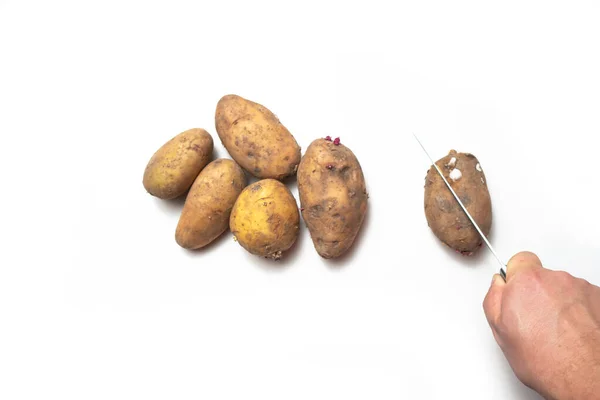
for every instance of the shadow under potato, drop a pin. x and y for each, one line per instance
(290, 181)
(173, 206)
(217, 154)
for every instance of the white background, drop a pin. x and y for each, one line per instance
(97, 301)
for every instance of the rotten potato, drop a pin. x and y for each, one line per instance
(333, 196)
(444, 215)
(174, 167)
(256, 139)
(265, 219)
(208, 205)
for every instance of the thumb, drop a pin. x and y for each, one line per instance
(521, 262)
(493, 300)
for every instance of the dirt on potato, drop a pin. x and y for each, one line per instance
(256, 139)
(444, 215)
(265, 219)
(173, 168)
(333, 196)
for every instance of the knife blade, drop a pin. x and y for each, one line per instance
(485, 240)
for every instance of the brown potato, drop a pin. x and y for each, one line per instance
(265, 219)
(333, 196)
(256, 139)
(444, 215)
(174, 167)
(207, 208)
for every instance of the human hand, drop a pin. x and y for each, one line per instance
(547, 323)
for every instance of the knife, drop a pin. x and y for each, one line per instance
(485, 240)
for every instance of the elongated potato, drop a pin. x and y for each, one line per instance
(265, 219)
(174, 167)
(333, 196)
(444, 215)
(207, 208)
(256, 139)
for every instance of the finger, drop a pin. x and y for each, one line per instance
(521, 262)
(498, 338)
(493, 300)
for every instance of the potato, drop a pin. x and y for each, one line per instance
(265, 219)
(256, 139)
(208, 205)
(333, 196)
(444, 215)
(174, 167)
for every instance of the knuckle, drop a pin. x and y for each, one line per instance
(527, 275)
(503, 324)
(563, 278)
(486, 302)
(489, 310)
(583, 283)
(563, 275)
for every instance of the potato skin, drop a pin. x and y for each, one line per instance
(208, 205)
(333, 196)
(444, 215)
(256, 139)
(265, 219)
(174, 167)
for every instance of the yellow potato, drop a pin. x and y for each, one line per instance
(256, 139)
(265, 219)
(333, 196)
(208, 205)
(174, 167)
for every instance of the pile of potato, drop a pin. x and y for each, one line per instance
(263, 216)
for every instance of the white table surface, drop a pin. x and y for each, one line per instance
(97, 300)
